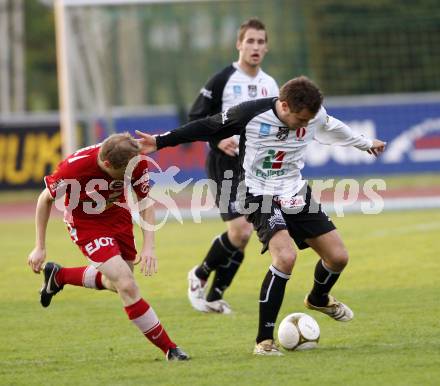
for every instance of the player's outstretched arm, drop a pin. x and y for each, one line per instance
(377, 148)
(148, 259)
(38, 254)
(147, 142)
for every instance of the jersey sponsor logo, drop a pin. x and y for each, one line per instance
(252, 90)
(274, 159)
(264, 130)
(272, 165)
(300, 133)
(283, 133)
(236, 88)
(269, 173)
(290, 202)
(96, 244)
(206, 93)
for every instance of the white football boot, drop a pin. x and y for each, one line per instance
(219, 306)
(196, 291)
(334, 308)
(267, 347)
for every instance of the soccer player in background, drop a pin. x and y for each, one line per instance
(92, 180)
(274, 134)
(240, 81)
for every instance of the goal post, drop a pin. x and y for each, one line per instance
(81, 50)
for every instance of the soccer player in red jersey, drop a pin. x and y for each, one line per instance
(94, 181)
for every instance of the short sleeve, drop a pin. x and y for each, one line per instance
(56, 181)
(141, 179)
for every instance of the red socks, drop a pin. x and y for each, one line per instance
(88, 277)
(140, 313)
(144, 317)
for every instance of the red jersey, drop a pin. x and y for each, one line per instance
(92, 194)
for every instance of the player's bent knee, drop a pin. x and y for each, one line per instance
(338, 259)
(239, 233)
(284, 259)
(106, 282)
(127, 286)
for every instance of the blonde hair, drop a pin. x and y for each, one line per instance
(119, 149)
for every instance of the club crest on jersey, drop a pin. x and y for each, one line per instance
(283, 133)
(237, 90)
(300, 133)
(264, 91)
(252, 90)
(264, 130)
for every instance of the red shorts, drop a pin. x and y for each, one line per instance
(100, 242)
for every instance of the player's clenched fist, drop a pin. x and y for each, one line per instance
(36, 259)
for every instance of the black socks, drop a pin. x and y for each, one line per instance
(271, 298)
(323, 283)
(219, 253)
(224, 275)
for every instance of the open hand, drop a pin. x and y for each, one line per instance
(147, 142)
(148, 261)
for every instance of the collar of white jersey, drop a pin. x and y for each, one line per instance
(238, 68)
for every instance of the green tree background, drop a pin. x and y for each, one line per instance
(348, 47)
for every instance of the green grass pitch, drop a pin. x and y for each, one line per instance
(84, 337)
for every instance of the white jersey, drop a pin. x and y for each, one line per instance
(271, 154)
(240, 87)
(275, 155)
(229, 87)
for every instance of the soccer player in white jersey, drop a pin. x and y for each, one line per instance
(240, 81)
(274, 134)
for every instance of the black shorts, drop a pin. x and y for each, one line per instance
(216, 166)
(308, 221)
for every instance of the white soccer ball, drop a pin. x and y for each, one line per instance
(298, 331)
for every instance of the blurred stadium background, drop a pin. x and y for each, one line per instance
(129, 65)
(140, 66)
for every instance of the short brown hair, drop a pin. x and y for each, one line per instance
(248, 24)
(119, 149)
(301, 93)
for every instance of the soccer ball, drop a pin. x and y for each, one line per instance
(298, 331)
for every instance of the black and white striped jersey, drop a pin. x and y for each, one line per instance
(271, 155)
(229, 87)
